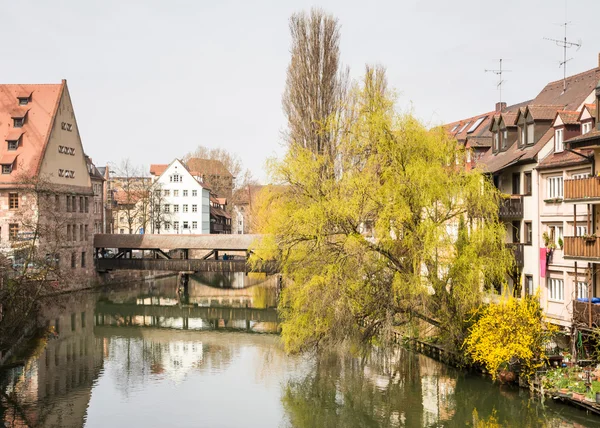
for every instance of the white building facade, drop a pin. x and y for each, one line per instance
(181, 204)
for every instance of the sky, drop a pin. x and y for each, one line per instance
(151, 80)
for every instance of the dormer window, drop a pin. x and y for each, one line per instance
(7, 161)
(18, 122)
(23, 101)
(530, 134)
(586, 127)
(558, 140)
(496, 137)
(504, 138)
(13, 144)
(6, 169)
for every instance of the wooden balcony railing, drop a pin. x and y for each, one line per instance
(581, 313)
(518, 253)
(511, 207)
(582, 189)
(581, 247)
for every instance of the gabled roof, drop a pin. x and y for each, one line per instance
(159, 168)
(567, 117)
(208, 167)
(543, 112)
(590, 108)
(41, 111)
(579, 86)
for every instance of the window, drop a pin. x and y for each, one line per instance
(167, 225)
(516, 184)
(68, 232)
(185, 193)
(529, 285)
(23, 101)
(194, 225)
(586, 127)
(86, 233)
(56, 202)
(582, 290)
(555, 187)
(516, 229)
(83, 320)
(13, 231)
(530, 134)
(167, 208)
(580, 176)
(13, 145)
(68, 204)
(556, 233)
(175, 208)
(528, 232)
(464, 127)
(73, 260)
(558, 140)
(186, 225)
(83, 259)
(581, 231)
(496, 141)
(176, 225)
(185, 208)
(6, 168)
(528, 184)
(194, 193)
(81, 204)
(121, 231)
(18, 122)
(194, 208)
(468, 156)
(476, 124)
(175, 192)
(87, 204)
(556, 289)
(74, 229)
(523, 135)
(166, 193)
(176, 178)
(13, 201)
(504, 138)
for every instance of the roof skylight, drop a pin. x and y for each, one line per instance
(475, 125)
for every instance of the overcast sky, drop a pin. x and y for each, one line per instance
(151, 80)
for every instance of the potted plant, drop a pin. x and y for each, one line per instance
(589, 238)
(546, 239)
(560, 243)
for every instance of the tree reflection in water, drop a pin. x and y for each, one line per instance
(402, 389)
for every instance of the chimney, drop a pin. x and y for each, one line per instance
(500, 106)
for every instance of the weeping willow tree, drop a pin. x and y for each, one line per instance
(399, 234)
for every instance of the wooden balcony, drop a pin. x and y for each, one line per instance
(582, 189)
(518, 253)
(581, 314)
(578, 247)
(511, 207)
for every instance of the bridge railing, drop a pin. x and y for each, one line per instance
(181, 265)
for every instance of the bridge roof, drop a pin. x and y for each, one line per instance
(174, 242)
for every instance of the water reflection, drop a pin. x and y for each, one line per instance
(139, 356)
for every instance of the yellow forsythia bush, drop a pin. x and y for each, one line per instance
(510, 331)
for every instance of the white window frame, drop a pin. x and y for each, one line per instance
(185, 208)
(559, 138)
(581, 230)
(176, 225)
(555, 187)
(194, 193)
(530, 133)
(194, 208)
(175, 208)
(586, 127)
(582, 290)
(556, 289)
(185, 193)
(194, 225)
(581, 176)
(176, 193)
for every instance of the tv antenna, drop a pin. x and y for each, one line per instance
(565, 44)
(499, 72)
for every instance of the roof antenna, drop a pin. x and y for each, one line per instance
(565, 44)
(499, 72)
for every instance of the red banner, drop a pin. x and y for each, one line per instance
(543, 252)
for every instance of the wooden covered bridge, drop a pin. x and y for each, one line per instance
(172, 253)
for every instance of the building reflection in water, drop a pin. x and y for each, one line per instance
(148, 324)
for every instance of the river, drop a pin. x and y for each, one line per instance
(144, 355)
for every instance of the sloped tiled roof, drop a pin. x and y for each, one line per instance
(543, 112)
(158, 169)
(41, 111)
(579, 86)
(591, 108)
(592, 137)
(564, 158)
(568, 117)
(484, 141)
(208, 167)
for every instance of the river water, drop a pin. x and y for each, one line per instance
(146, 355)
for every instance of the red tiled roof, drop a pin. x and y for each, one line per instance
(36, 129)
(14, 134)
(207, 167)
(564, 158)
(591, 108)
(543, 112)
(592, 135)
(158, 169)
(579, 86)
(218, 212)
(8, 159)
(568, 117)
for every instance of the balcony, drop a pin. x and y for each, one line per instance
(581, 313)
(511, 207)
(518, 253)
(579, 247)
(582, 189)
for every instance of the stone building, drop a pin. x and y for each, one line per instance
(46, 191)
(98, 181)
